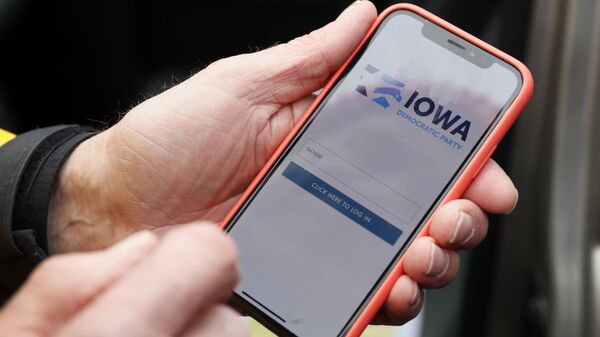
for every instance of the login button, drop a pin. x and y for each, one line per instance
(342, 203)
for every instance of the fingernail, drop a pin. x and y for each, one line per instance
(516, 202)
(464, 229)
(439, 261)
(349, 9)
(405, 282)
(415, 298)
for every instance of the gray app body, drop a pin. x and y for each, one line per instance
(340, 206)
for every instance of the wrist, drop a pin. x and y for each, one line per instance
(79, 216)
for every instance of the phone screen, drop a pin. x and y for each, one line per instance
(379, 152)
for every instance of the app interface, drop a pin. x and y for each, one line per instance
(381, 149)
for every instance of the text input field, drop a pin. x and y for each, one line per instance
(361, 182)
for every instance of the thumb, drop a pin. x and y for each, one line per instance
(290, 71)
(62, 285)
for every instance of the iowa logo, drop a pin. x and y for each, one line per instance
(388, 93)
(390, 89)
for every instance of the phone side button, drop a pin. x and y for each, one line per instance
(485, 161)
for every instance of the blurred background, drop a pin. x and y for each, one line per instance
(538, 272)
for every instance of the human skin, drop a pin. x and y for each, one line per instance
(144, 286)
(188, 154)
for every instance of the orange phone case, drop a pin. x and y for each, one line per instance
(471, 170)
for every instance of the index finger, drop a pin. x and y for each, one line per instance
(493, 190)
(192, 269)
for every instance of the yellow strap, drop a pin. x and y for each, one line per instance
(5, 136)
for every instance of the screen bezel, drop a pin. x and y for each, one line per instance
(250, 308)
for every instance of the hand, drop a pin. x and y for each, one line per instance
(141, 287)
(433, 261)
(188, 153)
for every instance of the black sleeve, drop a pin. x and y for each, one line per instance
(29, 168)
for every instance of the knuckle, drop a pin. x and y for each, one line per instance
(305, 53)
(220, 65)
(228, 68)
(304, 43)
(308, 42)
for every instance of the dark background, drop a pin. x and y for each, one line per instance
(83, 61)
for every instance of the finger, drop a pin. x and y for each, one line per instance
(63, 284)
(429, 265)
(287, 72)
(193, 268)
(219, 321)
(493, 190)
(403, 304)
(459, 224)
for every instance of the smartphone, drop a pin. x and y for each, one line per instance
(402, 128)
